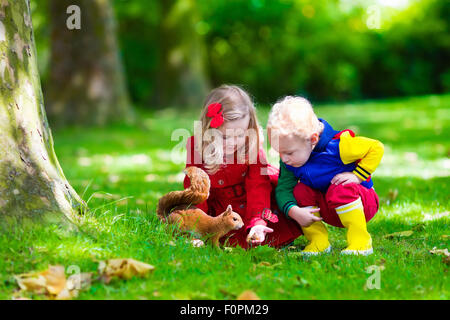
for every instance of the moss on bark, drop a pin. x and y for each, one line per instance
(32, 183)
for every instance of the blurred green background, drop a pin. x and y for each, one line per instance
(327, 51)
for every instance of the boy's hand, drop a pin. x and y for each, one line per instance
(345, 178)
(257, 234)
(304, 216)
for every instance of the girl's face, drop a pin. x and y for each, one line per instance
(234, 134)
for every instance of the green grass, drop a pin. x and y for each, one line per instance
(123, 170)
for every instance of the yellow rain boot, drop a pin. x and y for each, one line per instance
(352, 218)
(318, 237)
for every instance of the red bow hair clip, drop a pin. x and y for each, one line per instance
(213, 112)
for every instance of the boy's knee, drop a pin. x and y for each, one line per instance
(304, 195)
(341, 194)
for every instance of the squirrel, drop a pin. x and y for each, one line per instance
(178, 207)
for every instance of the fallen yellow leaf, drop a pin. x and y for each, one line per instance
(74, 284)
(124, 268)
(267, 264)
(55, 279)
(20, 298)
(32, 282)
(446, 260)
(52, 281)
(66, 294)
(392, 194)
(248, 295)
(80, 281)
(171, 243)
(443, 252)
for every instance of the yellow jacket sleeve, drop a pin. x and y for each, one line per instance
(368, 151)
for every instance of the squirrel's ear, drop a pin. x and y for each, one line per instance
(229, 210)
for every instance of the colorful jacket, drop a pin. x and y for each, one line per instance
(336, 152)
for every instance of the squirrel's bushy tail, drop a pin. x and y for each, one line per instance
(195, 194)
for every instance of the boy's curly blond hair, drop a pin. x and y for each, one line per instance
(293, 116)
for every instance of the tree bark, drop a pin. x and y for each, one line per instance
(86, 80)
(182, 77)
(32, 183)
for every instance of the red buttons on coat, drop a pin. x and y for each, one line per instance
(232, 192)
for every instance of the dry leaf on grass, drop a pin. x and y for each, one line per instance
(381, 262)
(446, 260)
(443, 252)
(123, 268)
(74, 284)
(399, 234)
(55, 279)
(171, 243)
(267, 264)
(248, 295)
(227, 293)
(34, 283)
(53, 283)
(392, 194)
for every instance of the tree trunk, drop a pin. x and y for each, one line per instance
(86, 83)
(32, 183)
(182, 77)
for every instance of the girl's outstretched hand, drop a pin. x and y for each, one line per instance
(257, 234)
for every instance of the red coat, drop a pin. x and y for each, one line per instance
(249, 192)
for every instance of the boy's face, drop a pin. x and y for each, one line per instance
(293, 150)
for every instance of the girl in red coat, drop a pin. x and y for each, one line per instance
(229, 149)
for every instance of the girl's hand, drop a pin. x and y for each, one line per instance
(345, 178)
(304, 216)
(257, 234)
